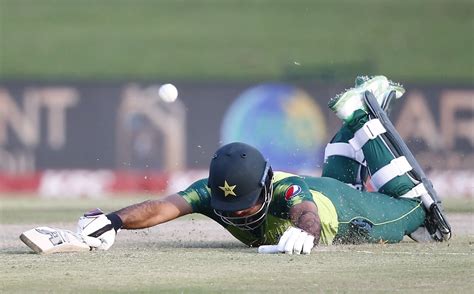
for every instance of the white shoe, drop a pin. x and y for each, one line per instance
(345, 104)
(421, 235)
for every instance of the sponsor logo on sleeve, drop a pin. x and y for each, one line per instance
(292, 191)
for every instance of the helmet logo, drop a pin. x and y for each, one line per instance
(228, 190)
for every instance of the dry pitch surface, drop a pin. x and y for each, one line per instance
(194, 255)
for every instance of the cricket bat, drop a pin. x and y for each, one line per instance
(268, 249)
(46, 240)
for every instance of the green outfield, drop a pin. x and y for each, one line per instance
(422, 40)
(195, 255)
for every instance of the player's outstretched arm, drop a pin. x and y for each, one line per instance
(98, 230)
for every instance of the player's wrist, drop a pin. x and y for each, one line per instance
(115, 220)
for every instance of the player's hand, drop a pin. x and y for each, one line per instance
(296, 241)
(96, 229)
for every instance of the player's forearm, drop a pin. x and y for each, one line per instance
(140, 215)
(153, 212)
(305, 216)
(310, 222)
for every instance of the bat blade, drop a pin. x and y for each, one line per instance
(46, 240)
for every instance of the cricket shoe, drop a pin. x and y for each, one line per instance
(422, 235)
(345, 104)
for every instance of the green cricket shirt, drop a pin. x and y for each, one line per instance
(288, 190)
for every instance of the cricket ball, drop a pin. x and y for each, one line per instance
(168, 93)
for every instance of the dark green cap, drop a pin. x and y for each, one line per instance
(236, 177)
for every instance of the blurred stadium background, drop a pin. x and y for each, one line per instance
(80, 115)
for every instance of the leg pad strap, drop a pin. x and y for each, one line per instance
(397, 167)
(344, 149)
(369, 131)
(417, 191)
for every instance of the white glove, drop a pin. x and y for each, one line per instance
(297, 241)
(96, 229)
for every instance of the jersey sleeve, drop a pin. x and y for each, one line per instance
(198, 195)
(289, 192)
(294, 190)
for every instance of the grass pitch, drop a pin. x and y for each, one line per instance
(195, 255)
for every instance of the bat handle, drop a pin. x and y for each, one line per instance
(268, 249)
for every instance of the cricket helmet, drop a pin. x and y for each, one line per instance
(240, 177)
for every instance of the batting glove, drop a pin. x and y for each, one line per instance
(296, 241)
(98, 229)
